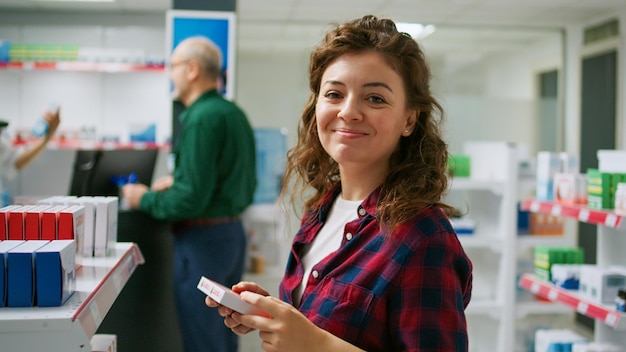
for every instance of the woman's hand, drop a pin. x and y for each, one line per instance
(287, 329)
(227, 313)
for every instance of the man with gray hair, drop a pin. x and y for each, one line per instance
(213, 182)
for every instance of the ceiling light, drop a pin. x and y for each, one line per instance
(416, 30)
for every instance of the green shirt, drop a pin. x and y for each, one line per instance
(215, 165)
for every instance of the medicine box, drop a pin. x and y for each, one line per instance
(21, 274)
(55, 272)
(5, 246)
(104, 343)
(106, 226)
(71, 226)
(49, 222)
(16, 223)
(548, 164)
(32, 222)
(90, 224)
(546, 256)
(4, 221)
(556, 340)
(612, 160)
(226, 297)
(566, 276)
(600, 283)
(570, 188)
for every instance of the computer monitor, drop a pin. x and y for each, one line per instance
(95, 170)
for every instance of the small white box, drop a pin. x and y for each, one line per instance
(226, 297)
(595, 347)
(566, 276)
(601, 284)
(545, 339)
(570, 163)
(104, 343)
(548, 164)
(106, 226)
(612, 161)
(570, 188)
(90, 224)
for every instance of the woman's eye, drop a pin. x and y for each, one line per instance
(376, 99)
(332, 95)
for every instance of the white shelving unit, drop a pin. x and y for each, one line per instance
(71, 326)
(488, 197)
(610, 325)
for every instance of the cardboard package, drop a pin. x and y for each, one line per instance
(21, 274)
(106, 226)
(71, 226)
(32, 222)
(4, 221)
(5, 246)
(55, 272)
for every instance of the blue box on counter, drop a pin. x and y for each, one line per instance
(21, 274)
(55, 272)
(5, 246)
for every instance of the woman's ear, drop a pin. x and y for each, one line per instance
(411, 121)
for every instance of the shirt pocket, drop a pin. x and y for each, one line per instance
(343, 309)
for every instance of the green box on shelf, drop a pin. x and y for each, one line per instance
(458, 165)
(601, 188)
(545, 256)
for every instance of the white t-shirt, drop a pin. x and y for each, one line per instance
(328, 239)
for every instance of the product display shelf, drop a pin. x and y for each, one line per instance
(80, 66)
(489, 198)
(577, 211)
(71, 326)
(528, 242)
(526, 308)
(601, 312)
(611, 242)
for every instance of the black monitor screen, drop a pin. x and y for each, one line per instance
(95, 170)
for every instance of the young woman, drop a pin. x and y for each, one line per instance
(376, 265)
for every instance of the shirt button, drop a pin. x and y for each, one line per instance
(315, 274)
(361, 212)
(348, 236)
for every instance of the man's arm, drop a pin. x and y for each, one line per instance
(34, 150)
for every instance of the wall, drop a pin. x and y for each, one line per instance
(109, 102)
(491, 99)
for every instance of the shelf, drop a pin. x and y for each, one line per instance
(98, 283)
(79, 66)
(603, 313)
(526, 308)
(576, 211)
(527, 242)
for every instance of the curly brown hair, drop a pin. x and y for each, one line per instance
(417, 177)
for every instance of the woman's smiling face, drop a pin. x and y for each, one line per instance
(361, 111)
